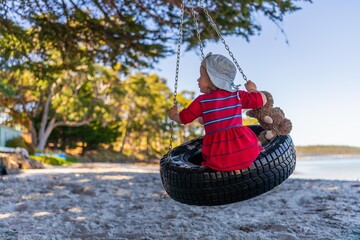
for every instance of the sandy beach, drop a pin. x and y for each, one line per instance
(123, 201)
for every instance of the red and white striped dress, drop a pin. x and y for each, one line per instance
(227, 144)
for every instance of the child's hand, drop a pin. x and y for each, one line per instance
(201, 120)
(250, 86)
(172, 112)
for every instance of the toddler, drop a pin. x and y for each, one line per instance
(227, 144)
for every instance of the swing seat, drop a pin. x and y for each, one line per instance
(186, 181)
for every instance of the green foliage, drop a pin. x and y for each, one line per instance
(16, 142)
(145, 126)
(91, 136)
(20, 142)
(135, 33)
(67, 64)
(6, 89)
(53, 160)
(106, 155)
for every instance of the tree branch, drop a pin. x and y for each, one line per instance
(72, 123)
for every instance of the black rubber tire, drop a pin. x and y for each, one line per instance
(187, 182)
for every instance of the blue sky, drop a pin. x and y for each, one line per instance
(315, 79)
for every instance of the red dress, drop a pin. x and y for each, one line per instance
(227, 144)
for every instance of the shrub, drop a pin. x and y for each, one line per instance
(20, 142)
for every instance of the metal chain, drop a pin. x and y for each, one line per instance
(222, 39)
(197, 30)
(180, 40)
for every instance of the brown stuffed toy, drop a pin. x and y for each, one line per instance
(271, 119)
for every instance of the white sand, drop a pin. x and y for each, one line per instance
(119, 201)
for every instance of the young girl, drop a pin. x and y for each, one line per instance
(227, 144)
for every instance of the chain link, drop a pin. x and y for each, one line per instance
(197, 30)
(222, 39)
(180, 40)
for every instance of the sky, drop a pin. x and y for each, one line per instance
(315, 78)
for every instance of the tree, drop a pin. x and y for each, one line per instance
(90, 136)
(61, 61)
(140, 123)
(143, 113)
(136, 33)
(44, 96)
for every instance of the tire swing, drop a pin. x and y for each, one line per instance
(186, 181)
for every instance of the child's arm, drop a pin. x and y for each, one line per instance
(174, 114)
(251, 87)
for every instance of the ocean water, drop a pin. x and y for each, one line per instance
(328, 168)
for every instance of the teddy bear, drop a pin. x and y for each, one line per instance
(272, 119)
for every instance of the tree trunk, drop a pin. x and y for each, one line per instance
(126, 133)
(43, 137)
(43, 130)
(84, 149)
(45, 133)
(124, 140)
(34, 138)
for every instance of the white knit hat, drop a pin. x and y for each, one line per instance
(221, 71)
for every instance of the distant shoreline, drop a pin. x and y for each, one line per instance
(324, 156)
(326, 151)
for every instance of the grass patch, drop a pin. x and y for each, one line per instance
(55, 161)
(108, 155)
